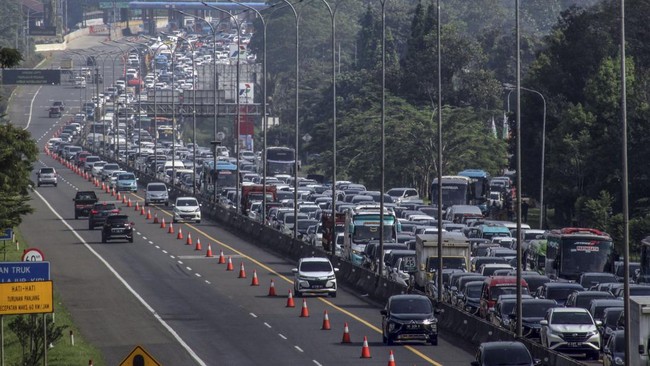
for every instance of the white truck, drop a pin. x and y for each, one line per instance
(640, 330)
(455, 255)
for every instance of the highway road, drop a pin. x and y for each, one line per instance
(184, 308)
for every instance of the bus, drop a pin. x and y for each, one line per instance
(280, 160)
(166, 134)
(226, 175)
(572, 251)
(362, 227)
(455, 190)
(479, 185)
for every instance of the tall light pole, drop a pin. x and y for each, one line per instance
(626, 215)
(237, 132)
(216, 88)
(295, 168)
(194, 82)
(383, 145)
(511, 87)
(264, 113)
(439, 192)
(519, 310)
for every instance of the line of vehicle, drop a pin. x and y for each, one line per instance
(325, 301)
(173, 333)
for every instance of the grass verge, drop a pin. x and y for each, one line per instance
(62, 352)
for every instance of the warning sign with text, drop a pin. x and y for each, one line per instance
(26, 298)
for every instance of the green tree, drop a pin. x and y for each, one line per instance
(29, 331)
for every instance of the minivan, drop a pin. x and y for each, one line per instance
(156, 193)
(495, 286)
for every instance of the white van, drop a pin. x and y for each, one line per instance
(459, 213)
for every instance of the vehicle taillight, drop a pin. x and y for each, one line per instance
(115, 211)
(94, 212)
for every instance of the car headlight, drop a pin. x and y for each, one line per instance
(332, 277)
(592, 333)
(618, 361)
(198, 209)
(429, 321)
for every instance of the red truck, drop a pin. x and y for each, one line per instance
(253, 193)
(326, 221)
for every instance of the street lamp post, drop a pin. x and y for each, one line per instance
(541, 188)
(237, 132)
(216, 83)
(383, 145)
(194, 82)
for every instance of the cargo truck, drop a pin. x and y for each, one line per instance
(640, 330)
(455, 255)
(253, 193)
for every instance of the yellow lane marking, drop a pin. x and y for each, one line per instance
(288, 280)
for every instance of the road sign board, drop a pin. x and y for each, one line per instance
(114, 4)
(139, 357)
(7, 234)
(33, 255)
(26, 298)
(24, 271)
(31, 77)
(42, 31)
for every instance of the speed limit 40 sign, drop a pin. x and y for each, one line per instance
(33, 255)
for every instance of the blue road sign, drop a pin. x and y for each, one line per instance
(24, 271)
(7, 234)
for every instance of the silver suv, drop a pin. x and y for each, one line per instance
(47, 175)
(315, 275)
(571, 330)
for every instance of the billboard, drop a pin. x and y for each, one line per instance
(31, 77)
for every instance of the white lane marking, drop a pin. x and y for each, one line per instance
(317, 363)
(179, 262)
(144, 237)
(267, 325)
(164, 251)
(189, 269)
(282, 336)
(150, 242)
(197, 274)
(153, 312)
(172, 257)
(157, 247)
(253, 315)
(299, 349)
(31, 105)
(208, 282)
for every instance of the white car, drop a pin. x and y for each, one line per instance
(315, 275)
(571, 330)
(187, 209)
(96, 171)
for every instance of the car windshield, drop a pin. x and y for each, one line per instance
(505, 357)
(105, 206)
(563, 317)
(156, 188)
(315, 267)
(496, 291)
(187, 202)
(619, 343)
(126, 177)
(559, 293)
(611, 317)
(534, 309)
(118, 220)
(410, 306)
(473, 291)
(47, 170)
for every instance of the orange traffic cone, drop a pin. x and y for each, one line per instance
(391, 358)
(229, 267)
(108, 189)
(290, 303)
(148, 214)
(155, 218)
(326, 322)
(103, 186)
(222, 259)
(142, 210)
(179, 236)
(208, 254)
(304, 312)
(162, 223)
(119, 196)
(198, 245)
(171, 228)
(365, 350)
(124, 199)
(137, 206)
(272, 289)
(346, 334)
(242, 272)
(189, 239)
(113, 192)
(255, 281)
(128, 203)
